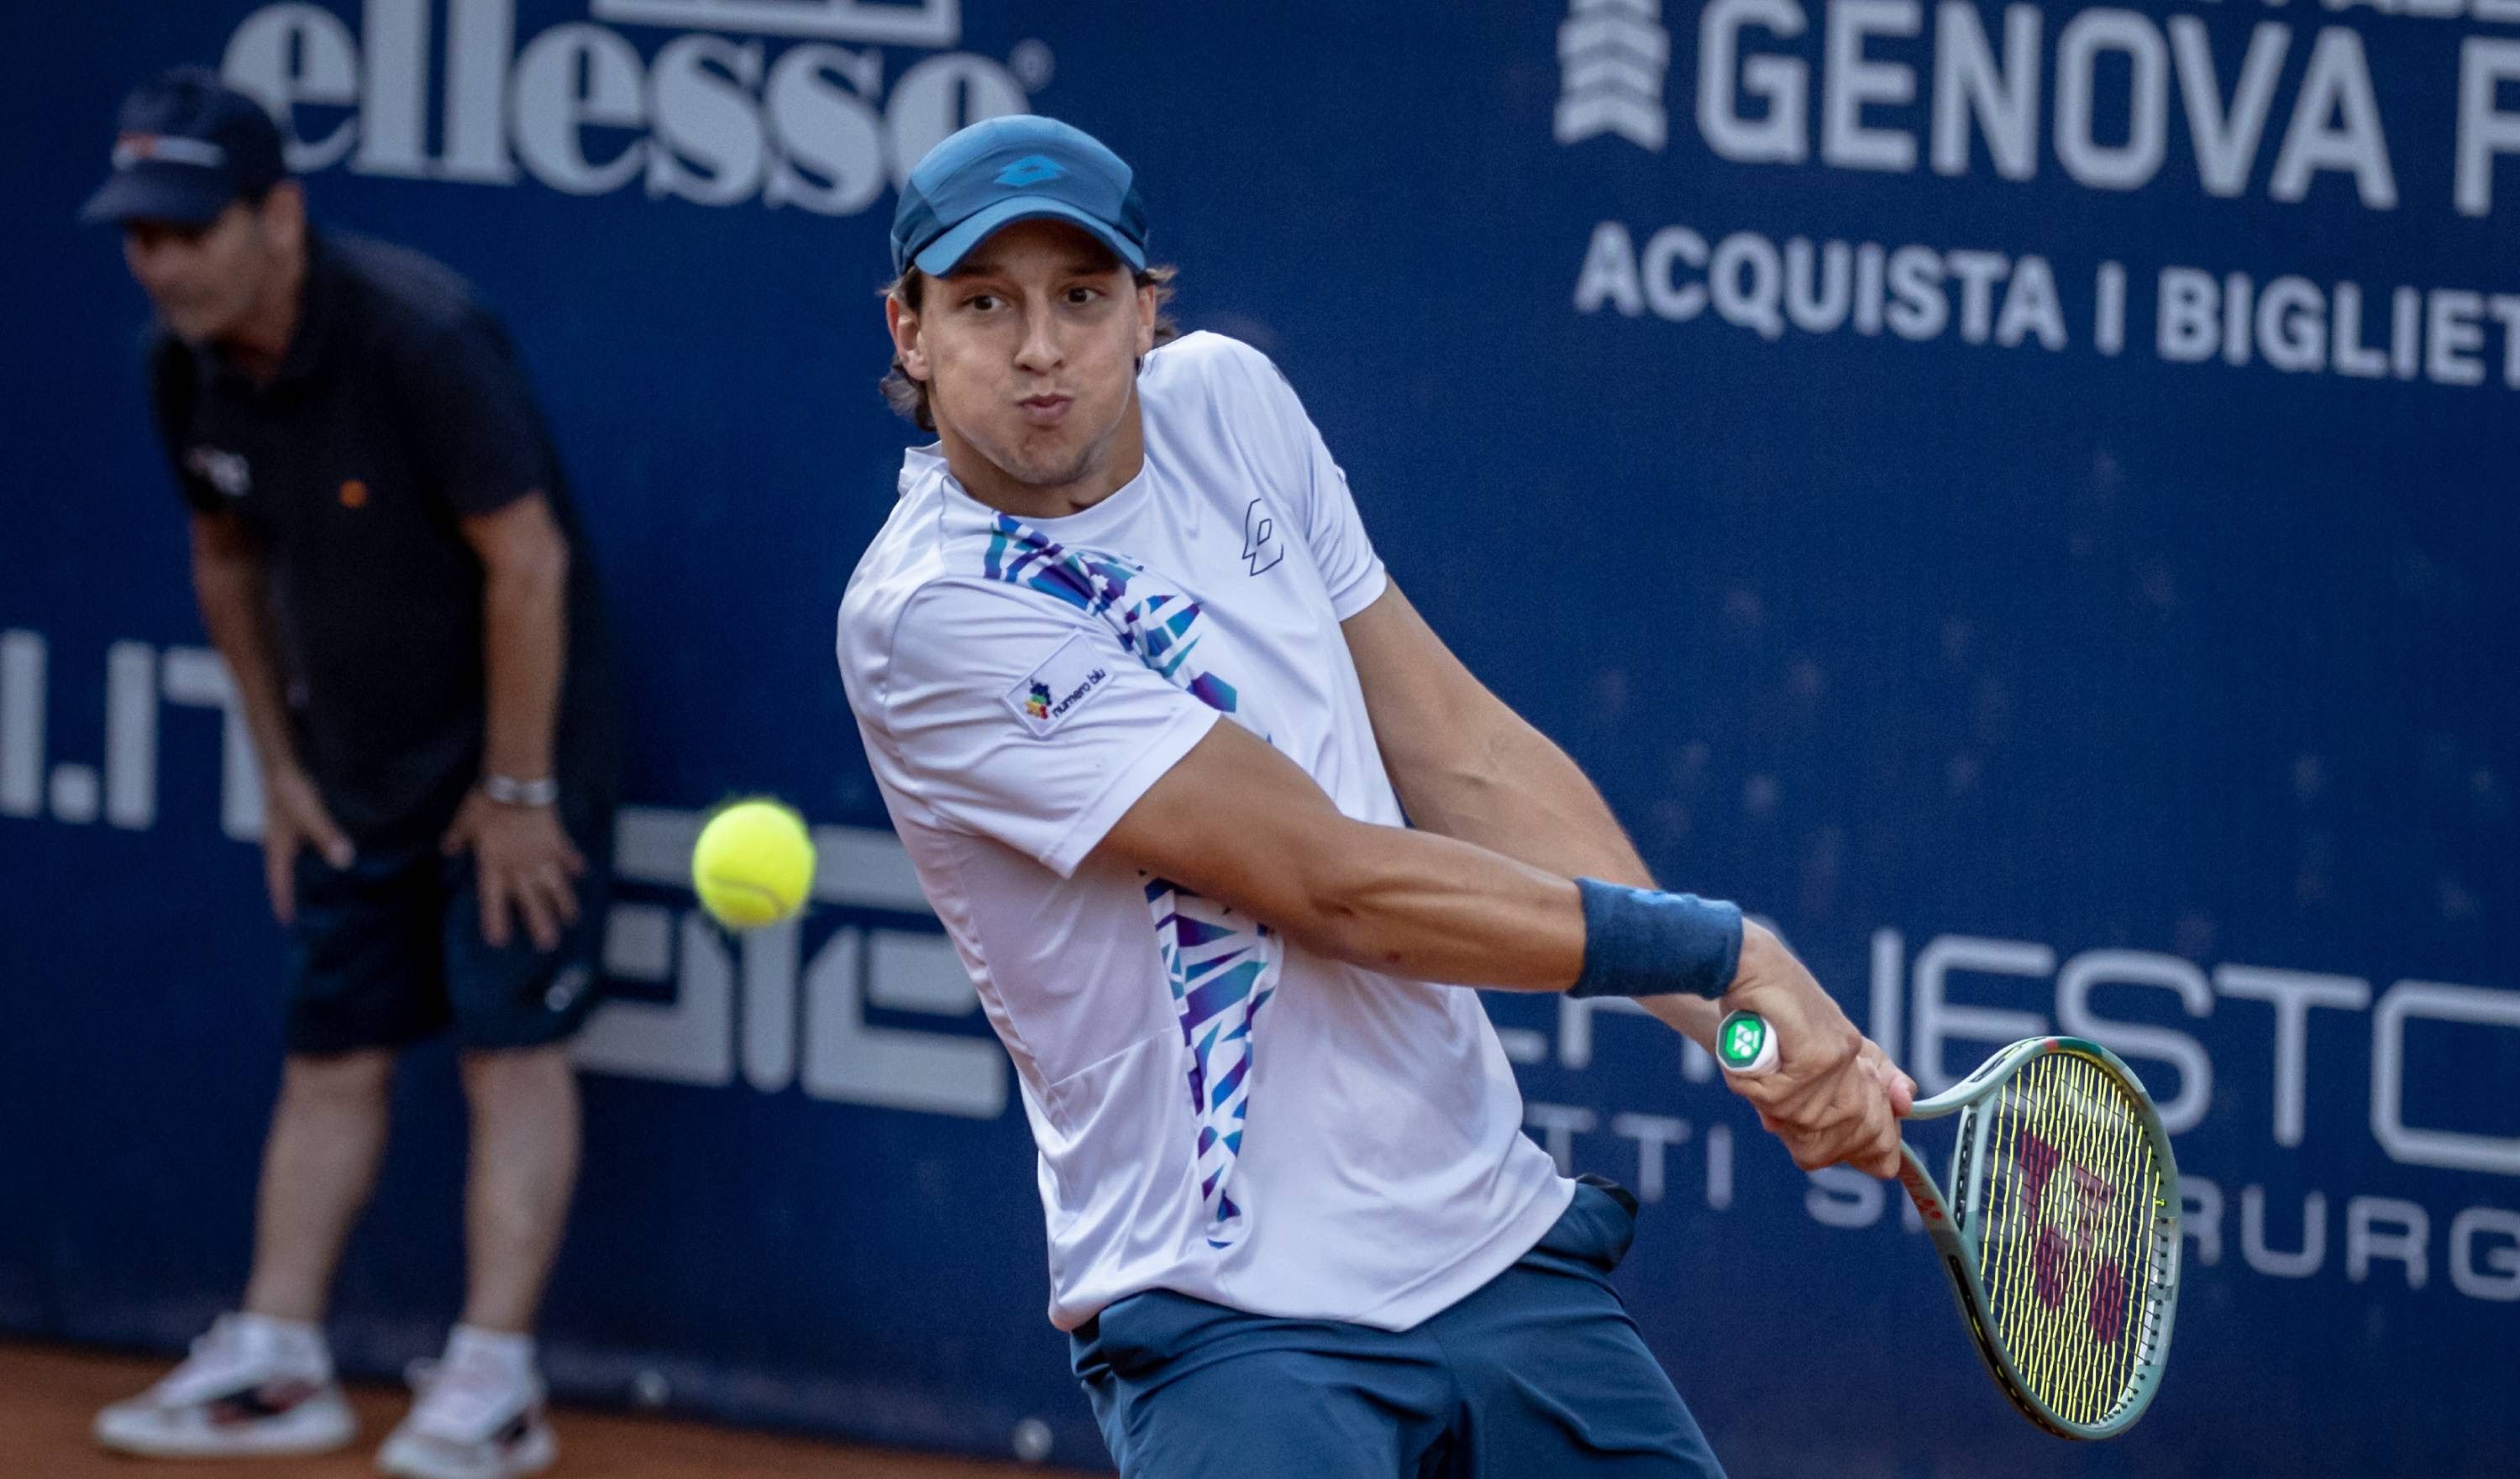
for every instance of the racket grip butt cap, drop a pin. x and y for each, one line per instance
(1745, 1045)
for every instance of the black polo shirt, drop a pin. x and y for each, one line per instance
(399, 409)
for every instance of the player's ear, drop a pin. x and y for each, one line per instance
(903, 321)
(1150, 308)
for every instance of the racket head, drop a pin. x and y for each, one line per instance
(2061, 1231)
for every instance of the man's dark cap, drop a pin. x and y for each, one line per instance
(188, 146)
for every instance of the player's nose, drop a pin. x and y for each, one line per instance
(1040, 351)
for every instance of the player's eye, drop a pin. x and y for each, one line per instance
(1078, 298)
(982, 302)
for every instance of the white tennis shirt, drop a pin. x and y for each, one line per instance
(1218, 1110)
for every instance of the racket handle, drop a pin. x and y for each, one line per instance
(1745, 1045)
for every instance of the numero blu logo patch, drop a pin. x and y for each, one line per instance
(1052, 692)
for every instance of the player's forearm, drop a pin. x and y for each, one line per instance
(1432, 908)
(1235, 821)
(1513, 791)
(236, 610)
(525, 652)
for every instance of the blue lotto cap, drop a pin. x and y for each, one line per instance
(189, 145)
(1020, 168)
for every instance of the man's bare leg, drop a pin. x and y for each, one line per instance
(481, 1412)
(523, 1167)
(328, 1137)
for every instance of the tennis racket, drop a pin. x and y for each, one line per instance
(2060, 1231)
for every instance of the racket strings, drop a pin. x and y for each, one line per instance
(2066, 1232)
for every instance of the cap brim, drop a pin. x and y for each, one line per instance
(946, 251)
(192, 198)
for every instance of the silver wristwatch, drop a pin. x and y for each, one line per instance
(507, 791)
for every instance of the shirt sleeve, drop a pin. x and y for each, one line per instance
(1010, 717)
(1333, 531)
(479, 440)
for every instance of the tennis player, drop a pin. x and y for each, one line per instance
(1221, 830)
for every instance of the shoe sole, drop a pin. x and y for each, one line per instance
(321, 1437)
(539, 1452)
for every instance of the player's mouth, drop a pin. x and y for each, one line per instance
(1045, 410)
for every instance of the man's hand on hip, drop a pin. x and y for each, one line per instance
(1835, 1096)
(294, 816)
(522, 858)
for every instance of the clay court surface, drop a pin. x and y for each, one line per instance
(48, 1394)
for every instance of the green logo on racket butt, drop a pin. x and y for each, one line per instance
(1745, 1045)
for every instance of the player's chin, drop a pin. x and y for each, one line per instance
(1047, 459)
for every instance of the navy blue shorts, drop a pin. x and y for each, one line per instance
(389, 951)
(1538, 1373)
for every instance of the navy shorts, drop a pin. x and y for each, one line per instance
(389, 951)
(1538, 1373)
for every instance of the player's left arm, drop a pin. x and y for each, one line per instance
(1467, 766)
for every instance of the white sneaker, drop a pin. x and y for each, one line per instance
(250, 1387)
(473, 1420)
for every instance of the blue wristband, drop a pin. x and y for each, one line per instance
(1640, 942)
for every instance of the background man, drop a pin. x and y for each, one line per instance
(1145, 709)
(386, 557)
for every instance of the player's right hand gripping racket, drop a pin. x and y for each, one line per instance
(2061, 1229)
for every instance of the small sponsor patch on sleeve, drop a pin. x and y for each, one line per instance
(1051, 693)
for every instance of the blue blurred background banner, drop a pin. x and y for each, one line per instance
(2022, 496)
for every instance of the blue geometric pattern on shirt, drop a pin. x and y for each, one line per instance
(1221, 969)
(1160, 627)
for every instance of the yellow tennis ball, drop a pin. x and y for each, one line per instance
(752, 864)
